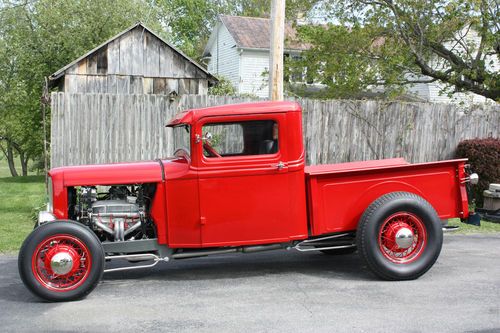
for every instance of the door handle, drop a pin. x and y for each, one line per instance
(280, 166)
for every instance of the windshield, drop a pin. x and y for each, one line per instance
(181, 139)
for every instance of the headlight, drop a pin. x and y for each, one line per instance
(474, 178)
(44, 217)
(48, 215)
(50, 203)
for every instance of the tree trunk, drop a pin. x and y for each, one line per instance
(24, 163)
(23, 158)
(10, 159)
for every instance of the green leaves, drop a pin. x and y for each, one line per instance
(343, 59)
(385, 42)
(224, 87)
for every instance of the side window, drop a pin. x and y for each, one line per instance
(240, 138)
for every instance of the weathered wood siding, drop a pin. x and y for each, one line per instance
(137, 62)
(102, 128)
(340, 131)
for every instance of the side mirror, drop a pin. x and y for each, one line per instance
(208, 137)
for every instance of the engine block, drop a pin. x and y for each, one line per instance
(119, 218)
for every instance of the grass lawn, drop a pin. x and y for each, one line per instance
(486, 227)
(18, 198)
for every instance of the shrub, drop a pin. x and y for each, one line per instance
(222, 88)
(484, 159)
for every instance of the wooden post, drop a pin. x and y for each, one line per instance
(45, 100)
(276, 47)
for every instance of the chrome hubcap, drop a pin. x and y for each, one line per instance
(404, 238)
(61, 263)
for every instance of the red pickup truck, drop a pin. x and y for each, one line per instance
(238, 183)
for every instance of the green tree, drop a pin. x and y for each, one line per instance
(36, 39)
(396, 42)
(224, 87)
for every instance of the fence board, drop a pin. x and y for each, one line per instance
(104, 128)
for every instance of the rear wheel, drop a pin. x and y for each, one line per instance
(399, 236)
(61, 261)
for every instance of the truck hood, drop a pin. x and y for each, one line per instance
(120, 173)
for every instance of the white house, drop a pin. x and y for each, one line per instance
(238, 49)
(437, 92)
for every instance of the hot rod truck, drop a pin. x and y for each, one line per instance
(238, 183)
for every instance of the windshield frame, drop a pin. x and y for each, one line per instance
(181, 135)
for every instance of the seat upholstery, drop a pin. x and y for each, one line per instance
(268, 147)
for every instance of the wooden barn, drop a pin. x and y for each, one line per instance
(136, 61)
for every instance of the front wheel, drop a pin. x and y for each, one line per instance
(399, 236)
(61, 261)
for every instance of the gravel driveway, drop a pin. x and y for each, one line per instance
(275, 291)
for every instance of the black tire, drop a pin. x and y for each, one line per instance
(378, 215)
(62, 229)
(337, 252)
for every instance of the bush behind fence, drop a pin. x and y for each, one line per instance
(104, 128)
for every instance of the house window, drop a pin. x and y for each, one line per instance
(309, 76)
(240, 138)
(296, 76)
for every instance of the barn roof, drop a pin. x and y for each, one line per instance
(255, 32)
(62, 71)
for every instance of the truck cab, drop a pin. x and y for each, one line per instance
(248, 162)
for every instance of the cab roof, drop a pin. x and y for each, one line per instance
(192, 116)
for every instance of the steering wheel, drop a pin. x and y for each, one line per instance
(181, 152)
(210, 150)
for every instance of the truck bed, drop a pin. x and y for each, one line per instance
(338, 194)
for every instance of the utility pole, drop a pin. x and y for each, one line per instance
(45, 100)
(276, 47)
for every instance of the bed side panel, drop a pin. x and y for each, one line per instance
(337, 201)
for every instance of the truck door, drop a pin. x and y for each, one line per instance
(243, 180)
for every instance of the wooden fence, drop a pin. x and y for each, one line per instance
(103, 128)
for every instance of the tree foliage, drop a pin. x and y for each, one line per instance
(396, 42)
(36, 39)
(224, 87)
(484, 159)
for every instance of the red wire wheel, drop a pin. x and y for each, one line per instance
(402, 237)
(61, 262)
(399, 236)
